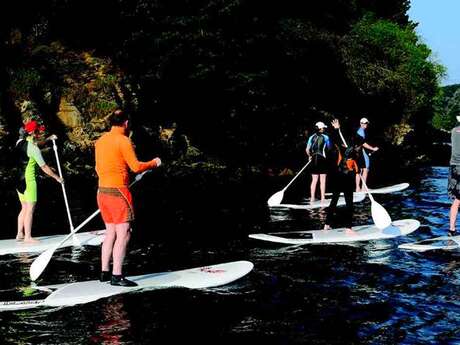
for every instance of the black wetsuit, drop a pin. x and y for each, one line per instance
(341, 179)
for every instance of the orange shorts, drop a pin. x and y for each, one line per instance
(116, 205)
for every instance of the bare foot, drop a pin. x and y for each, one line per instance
(312, 200)
(31, 240)
(350, 231)
(327, 227)
(20, 237)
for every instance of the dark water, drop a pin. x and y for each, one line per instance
(366, 293)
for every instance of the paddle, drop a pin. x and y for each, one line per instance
(379, 214)
(276, 198)
(62, 185)
(40, 263)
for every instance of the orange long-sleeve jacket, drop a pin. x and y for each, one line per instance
(114, 155)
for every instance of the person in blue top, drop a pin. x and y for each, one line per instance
(364, 162)
(317, 146)
(29, 159)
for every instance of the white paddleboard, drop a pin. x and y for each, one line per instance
(384, 190)
(359, 233)
(317, 204)
(89, 291)
(443, 242)
(90, 238)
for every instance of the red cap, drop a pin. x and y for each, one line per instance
(32, 125)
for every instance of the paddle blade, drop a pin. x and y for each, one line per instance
(380, 216)
(40, 263)
(276, 198)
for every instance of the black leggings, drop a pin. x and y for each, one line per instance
(341, 183)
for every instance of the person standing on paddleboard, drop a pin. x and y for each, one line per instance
(114, 157)
(453, 187)
(317, 146)
(364, 160)
(342, 174)
(30, 158)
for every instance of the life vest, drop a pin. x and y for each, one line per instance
(318, 145)
(347, 162)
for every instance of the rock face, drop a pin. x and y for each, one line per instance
(68, 113)
(72, 93)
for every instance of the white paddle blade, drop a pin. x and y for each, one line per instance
(380, 216)
(276, 199)
(40, 263)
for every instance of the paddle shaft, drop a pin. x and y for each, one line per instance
(40, 263)
(305, 166)
(62, 185)
(138, 177)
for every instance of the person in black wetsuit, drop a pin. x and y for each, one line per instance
(317, 147)
(342, 174)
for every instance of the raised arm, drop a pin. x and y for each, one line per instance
(335, 135)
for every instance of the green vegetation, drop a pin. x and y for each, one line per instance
(243, 80)
(445, 118)
(23, 82)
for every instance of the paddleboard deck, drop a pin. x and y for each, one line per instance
(443, 243)
(359, 233)
(90, 238)
(319, 204)
(70, 294)
(384, 190)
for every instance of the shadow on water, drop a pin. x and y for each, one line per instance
(362, 293)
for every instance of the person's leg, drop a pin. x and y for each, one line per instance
(453, 215)
(107, 247)
(314, 181)
(330, 211)
(123, 234)
(365, 174)
(28, 221)
(123, 231)
(20, 234)
(358, 181)
(322, 184)
(348, 195)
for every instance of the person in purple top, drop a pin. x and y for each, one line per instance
(317, 146)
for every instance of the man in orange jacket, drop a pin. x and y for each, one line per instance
(114, 156)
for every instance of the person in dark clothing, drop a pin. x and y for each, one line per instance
(317, 147)
(343, 173)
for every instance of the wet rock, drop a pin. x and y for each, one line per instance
(69, 114)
